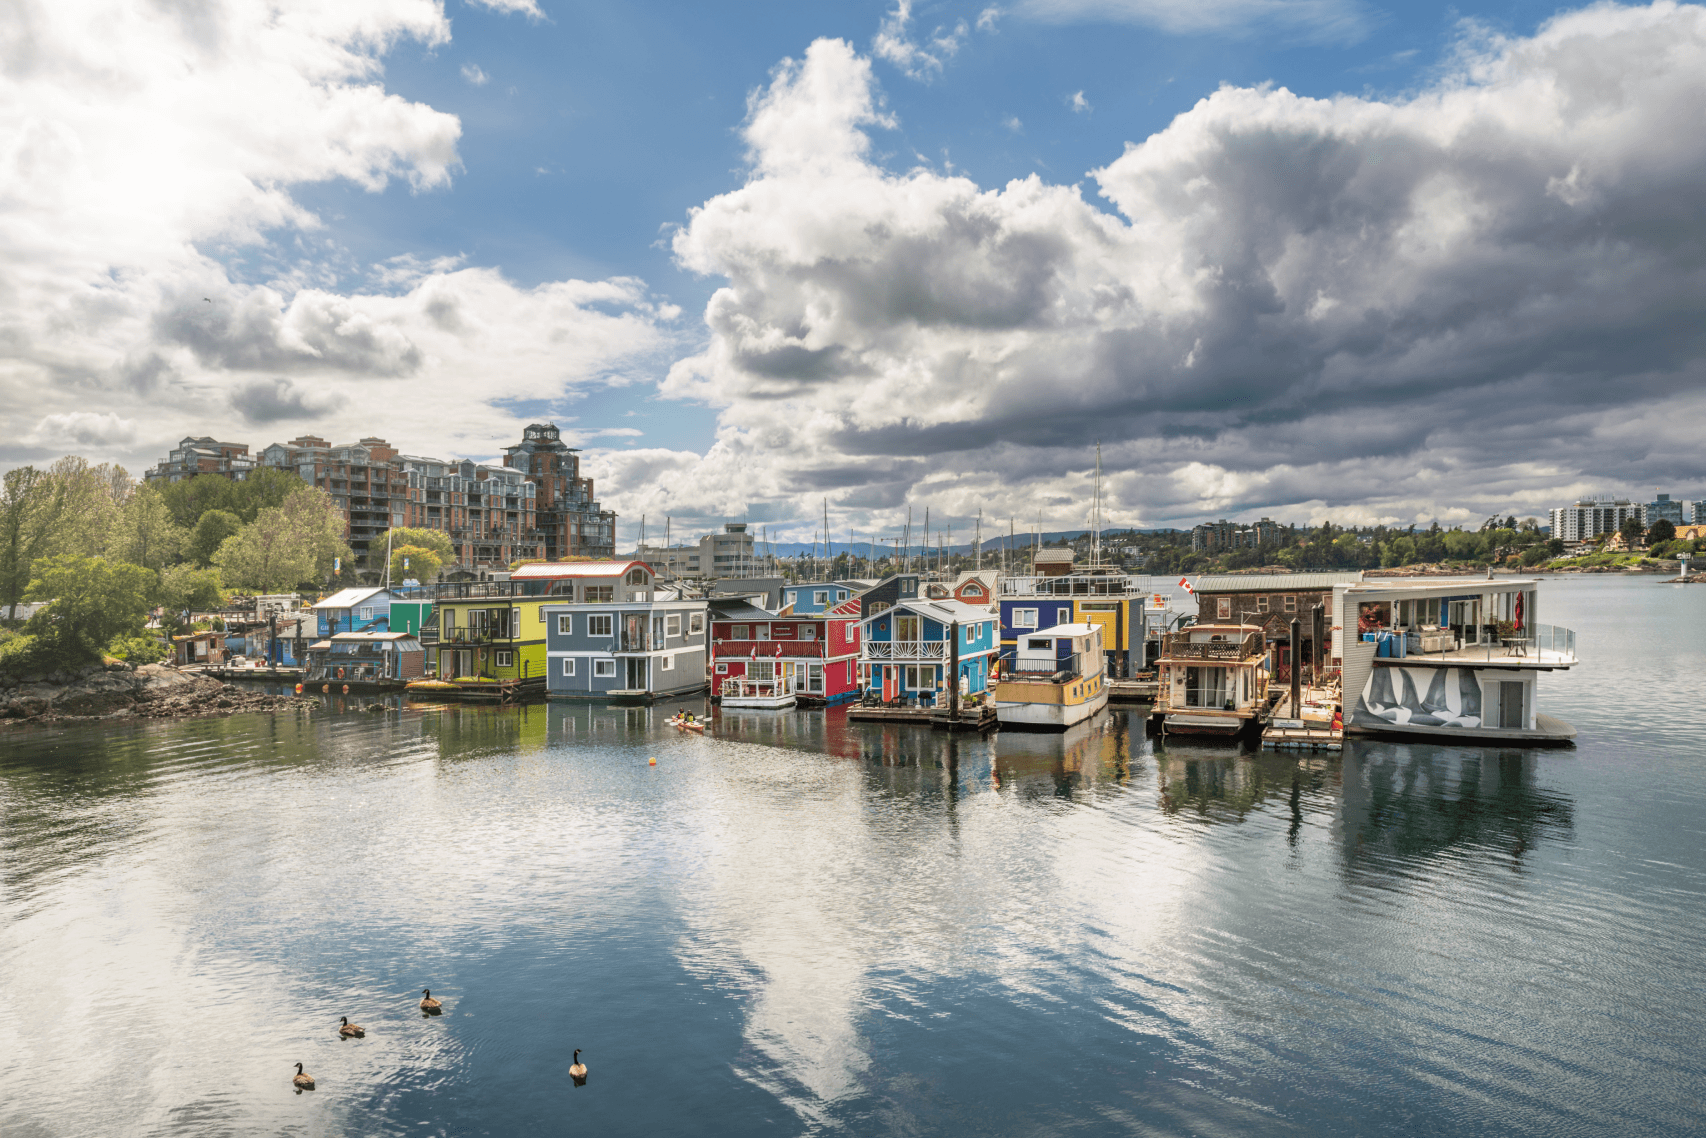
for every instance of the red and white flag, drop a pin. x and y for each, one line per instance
(1186, 585)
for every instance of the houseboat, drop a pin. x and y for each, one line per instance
(1056, 679)
(767, 660)
(365, 661)
(1058, 591)
(637, 650)
(914, 649)
(1448, 658)
(1213, 681)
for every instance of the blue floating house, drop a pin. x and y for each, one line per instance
(912, 647)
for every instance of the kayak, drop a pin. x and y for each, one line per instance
(683, 725)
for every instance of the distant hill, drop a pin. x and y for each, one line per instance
(991, 545)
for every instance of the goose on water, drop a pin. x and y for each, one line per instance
(577, 1069)
(347, 1029)
(428, 1004)
(302, 1082)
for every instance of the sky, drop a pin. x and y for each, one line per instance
(1306, 259)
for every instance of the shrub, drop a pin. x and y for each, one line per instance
(140, 649)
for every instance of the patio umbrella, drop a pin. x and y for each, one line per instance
(1517, 623)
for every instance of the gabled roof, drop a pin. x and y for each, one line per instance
(943, 610)
(556, 570)
(347, 598)
(984, 577)
(739, 608)
(1053, 556)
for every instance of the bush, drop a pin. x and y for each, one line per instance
(25, 655)
(140, 649)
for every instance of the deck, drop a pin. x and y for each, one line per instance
(477, 691)
(972, 717)
(1132, 691)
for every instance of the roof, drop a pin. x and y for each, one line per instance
(364, 637)
(346, 598)
(1053, 556)
(945, 610)
(984, 577)
(739, 608)
(1274, 582)
(553, 570)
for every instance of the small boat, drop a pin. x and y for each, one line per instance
(1056, 679)
(681, 724)
(1214, 681)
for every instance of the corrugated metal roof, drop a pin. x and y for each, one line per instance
(1273, 582)
(552, 570)
(347, 598)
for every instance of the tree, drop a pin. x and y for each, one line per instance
(30, 506)
(184, 588)
(421, 564)
(1662, 530)
(93, 496)
(143, 533)
(1631, 531)
(190, 499)
(436, 540)
(285, 545)
(210, 533)
(91, 601)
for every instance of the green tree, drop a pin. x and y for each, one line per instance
(286, 545)
(265, 488)
(422, 564)
(190, 499)
(93, 496)
(436, 540)
(31, 503)
(210, 533)
(1662, 530)
(91, 602)
(1400, 550)
(143, 533)
(1464, 546)
(184, 588)
(1631, 531)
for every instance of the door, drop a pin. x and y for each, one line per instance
(1511, 717)
(637, 674)
(465, 663)
(814, 679)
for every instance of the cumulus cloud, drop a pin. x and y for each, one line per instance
(145, 147)
(528, 8)
(1344, 306)
(1079, 104)
(1322, 20)
(896, 44)
(473, 76)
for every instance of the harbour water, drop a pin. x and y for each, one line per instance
(802, 925)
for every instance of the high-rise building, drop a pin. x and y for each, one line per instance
(1700, 512)
(194, 456)
(1591, 517)
(569, 516)
(1662, 508)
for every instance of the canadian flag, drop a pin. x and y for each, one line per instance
(1186, 585)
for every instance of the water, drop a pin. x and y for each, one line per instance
(810, 926)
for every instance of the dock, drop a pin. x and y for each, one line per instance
(227, 672)
(1311, 729)
(1132, 691)
(972, 717)
(477, 691)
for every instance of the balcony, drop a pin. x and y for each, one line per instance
(1074, 585)
(906, 649)
(1179, 646)
(769, 649)
(473, 636)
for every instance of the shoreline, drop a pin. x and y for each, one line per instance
(119, 691)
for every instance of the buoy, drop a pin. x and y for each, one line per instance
(298, 689)
(325, 687)
(652, 762)
(346, 689)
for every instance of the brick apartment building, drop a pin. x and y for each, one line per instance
(195, 456)
(569, 517)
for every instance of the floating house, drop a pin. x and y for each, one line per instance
(1213, 681)
(635, 650)
(915, 648)
(763, 659)
(1454, 658)
(1056, 680)
(354, 610)
(888, 592)
(1132, 619)
(491, 635)
(1272, 601)
(820, 596)
(367, 660)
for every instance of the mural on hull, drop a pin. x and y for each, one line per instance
(1422, 697)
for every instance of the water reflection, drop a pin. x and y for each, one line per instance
(1224, 784)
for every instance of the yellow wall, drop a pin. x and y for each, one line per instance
(527, 647)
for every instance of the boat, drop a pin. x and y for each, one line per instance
(1457, 659)
(1056, 679)
(681, 724)
(1213, 681)
(772, 694)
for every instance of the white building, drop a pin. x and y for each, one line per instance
(732, 553)
(1591, 517)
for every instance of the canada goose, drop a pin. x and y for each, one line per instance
(302, 1082)
(348, 1029)
(428, 1004)
(578, 1069)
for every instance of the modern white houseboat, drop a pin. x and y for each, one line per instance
(1213, 681)
(1455, 658)
(765, 686)
(1056, 679)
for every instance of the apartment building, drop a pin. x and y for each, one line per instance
(1663, 509)
(1591, 517)
(1213, 536)
(569, 517)
(204, 455)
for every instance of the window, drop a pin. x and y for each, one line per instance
(972, 589)
(722, 669)
(1038, 645)
(565, 624)
(1063, 616)
(600, 624)
(808, 632)
(906, 627)
(920, 677)
(696, 624)
(740, 632)
(821, 597)
(1291, 604)
(600, 594)
(367, 614)
(971, 633)
(605, 669)
(667, 664)
(1262, 603)
(515, 622)
(841, 594)
(568, 665)
(637, 577)
(1024, 618)
(1222, 608)
(449, 619)
(672, 624)
(541, 614)
(505, 659)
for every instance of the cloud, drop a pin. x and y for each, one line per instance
(1012, 123)
(149, 147)
(472, 74)
(1079, 104)
(1456, 300)
(1318, 20)
(528, 8)
(894, 44)
(987, 18)
(262, 401)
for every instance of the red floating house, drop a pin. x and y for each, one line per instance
(818, 652)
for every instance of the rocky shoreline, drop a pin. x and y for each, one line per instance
(116, 690)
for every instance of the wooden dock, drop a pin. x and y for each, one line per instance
(1312, 730)
(477, 691)
(226, 672)
(978, 717)
(1132, 691)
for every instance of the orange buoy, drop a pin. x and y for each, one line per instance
(298, 689)
(346, 689)
(652, 762)
(326, 687)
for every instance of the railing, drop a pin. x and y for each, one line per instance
(627, 643)
(1074, 585)
(739, 687)
(905, 649)
(1178, 646)
(734, 649)
(1539, 643)
(471, 636)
